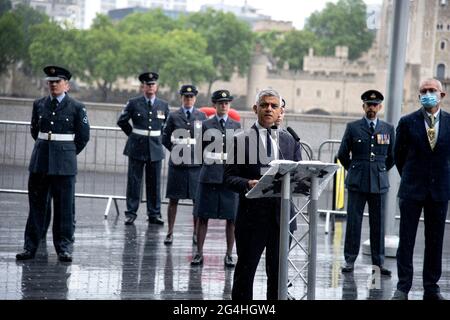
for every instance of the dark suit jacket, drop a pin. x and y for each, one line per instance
(213, 173)
(366, 174)
(138, 146)
(423, 171)
(178, 120)
(58, 157)
(236, 177)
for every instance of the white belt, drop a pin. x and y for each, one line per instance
(56, 136)
(216, 156)
(151, 133)
(183, 140)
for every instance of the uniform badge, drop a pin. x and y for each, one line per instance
(224, 94)
(383, 138)
(160, 114)
(85, 119)
(189, 89)
(197, 124)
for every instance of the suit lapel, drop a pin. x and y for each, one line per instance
(443, 128)
(63, 103)
(364, 126)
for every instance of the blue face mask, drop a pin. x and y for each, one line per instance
(429, 100)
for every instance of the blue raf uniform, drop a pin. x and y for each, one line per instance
(182, 178)
(144, 148)
(366, 152)
(60, 127)
(214, 200)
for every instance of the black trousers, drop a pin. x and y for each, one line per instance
(152, 186)
(355, 210)
(62, 191)
(251, 240)
(435, 213)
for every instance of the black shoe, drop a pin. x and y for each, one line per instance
(228, 261)
(433, 296)
(155, 220)
(348, 267)
(64, 257)
(169, 239)
(25, 255)
(399, 295)
(385, 272)
(130, 220)
(197, 260)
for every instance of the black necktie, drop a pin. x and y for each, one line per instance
(222, 124)
(372, 128)
(54, 103)
(269, 143)
(150, 104)
(188, 115)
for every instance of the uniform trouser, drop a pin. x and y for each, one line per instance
(435, 213)
(152, 186)
(355, 210)
(62, 190)
(251, 241)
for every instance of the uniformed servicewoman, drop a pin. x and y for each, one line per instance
(60, 126)
(214, 200)
(148, 114)
(181, 138)
(366, 151)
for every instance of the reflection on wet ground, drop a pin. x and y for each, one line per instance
(113, 261)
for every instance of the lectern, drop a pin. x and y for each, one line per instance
(284, 179)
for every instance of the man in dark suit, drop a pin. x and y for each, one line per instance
(144, 148)
(366, 152)
(257, 224)
(182, 137)
(422, 157)
(214, 200)
(60, 126)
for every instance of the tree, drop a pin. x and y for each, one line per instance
(5, 6)
(342, 24)
(230, 43)
(153, 21)
(293, 47)
(11, 34)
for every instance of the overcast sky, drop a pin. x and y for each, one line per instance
(288, 10)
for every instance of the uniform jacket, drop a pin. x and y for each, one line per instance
(423, 171)
(58, 157)
(193, 126)
(367, 157)
(236, 177)
(213, 173)
(138, 146)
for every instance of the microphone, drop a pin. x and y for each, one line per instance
(297, 138)
(293, 134)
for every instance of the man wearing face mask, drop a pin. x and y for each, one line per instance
(366, 152)
(422, 155)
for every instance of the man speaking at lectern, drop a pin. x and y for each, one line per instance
(257, 224)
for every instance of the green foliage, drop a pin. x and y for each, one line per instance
(230, 42)
(11, 34)
(342, 24)
(153, 21)
(294, 46)
(5, 6)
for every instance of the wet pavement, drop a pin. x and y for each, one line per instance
(117, 262)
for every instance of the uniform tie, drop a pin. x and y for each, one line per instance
(222, 124)
(372, 127)
(150, 106)
(188, 115)
(269, 143)
(431, 132)
(54, 103)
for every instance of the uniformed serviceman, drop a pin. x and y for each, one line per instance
(366, 151)
(181, 138)
(60, 126)
(144, 149)
(214, 200)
